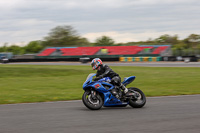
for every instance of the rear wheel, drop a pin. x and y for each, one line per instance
(139, 100)
(91, 103)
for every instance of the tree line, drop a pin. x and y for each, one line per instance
(66, 36)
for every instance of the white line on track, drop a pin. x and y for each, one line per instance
(72, 101)
(175, 96)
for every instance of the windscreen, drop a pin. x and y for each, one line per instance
(90, 75)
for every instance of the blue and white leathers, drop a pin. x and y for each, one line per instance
(104, 86)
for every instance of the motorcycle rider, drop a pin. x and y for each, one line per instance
(104, 70)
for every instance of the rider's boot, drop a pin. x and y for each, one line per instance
(127, 93)
(125, 90)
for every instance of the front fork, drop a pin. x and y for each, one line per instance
(93, 94)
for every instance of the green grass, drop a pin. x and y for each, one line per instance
(40, 83)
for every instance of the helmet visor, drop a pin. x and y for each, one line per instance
(93, 64)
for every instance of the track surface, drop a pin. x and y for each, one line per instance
(173, 114)
(146, 64)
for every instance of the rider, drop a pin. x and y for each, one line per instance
(104, 70)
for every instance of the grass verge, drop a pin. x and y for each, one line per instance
(40, 83)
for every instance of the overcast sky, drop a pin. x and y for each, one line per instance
(22, 21)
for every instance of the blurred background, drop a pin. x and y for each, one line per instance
(53, 30)
(63, 44)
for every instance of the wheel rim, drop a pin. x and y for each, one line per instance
(92, 101)
(139, 97)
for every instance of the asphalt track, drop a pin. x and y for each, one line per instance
(145, 64)
(173, 114)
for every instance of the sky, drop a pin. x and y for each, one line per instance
(22, 21)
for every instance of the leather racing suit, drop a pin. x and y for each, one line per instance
(106, 71)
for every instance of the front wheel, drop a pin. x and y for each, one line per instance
(91, 103)
(139, 100)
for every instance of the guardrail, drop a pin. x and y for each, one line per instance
(140, 59)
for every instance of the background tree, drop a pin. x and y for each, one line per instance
(33, 47)
(167, 39)
(14, 49)
(64, 36)
(104, 41)
(193, 41)
(4, 48)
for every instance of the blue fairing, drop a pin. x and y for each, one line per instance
(128, 80)
(103, 86)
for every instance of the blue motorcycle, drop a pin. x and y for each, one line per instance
(99, 93)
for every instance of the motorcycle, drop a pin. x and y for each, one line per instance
(99, 93)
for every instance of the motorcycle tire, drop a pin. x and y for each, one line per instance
(91, 103)
(141, 99)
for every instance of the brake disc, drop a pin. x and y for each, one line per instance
(92, 101)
